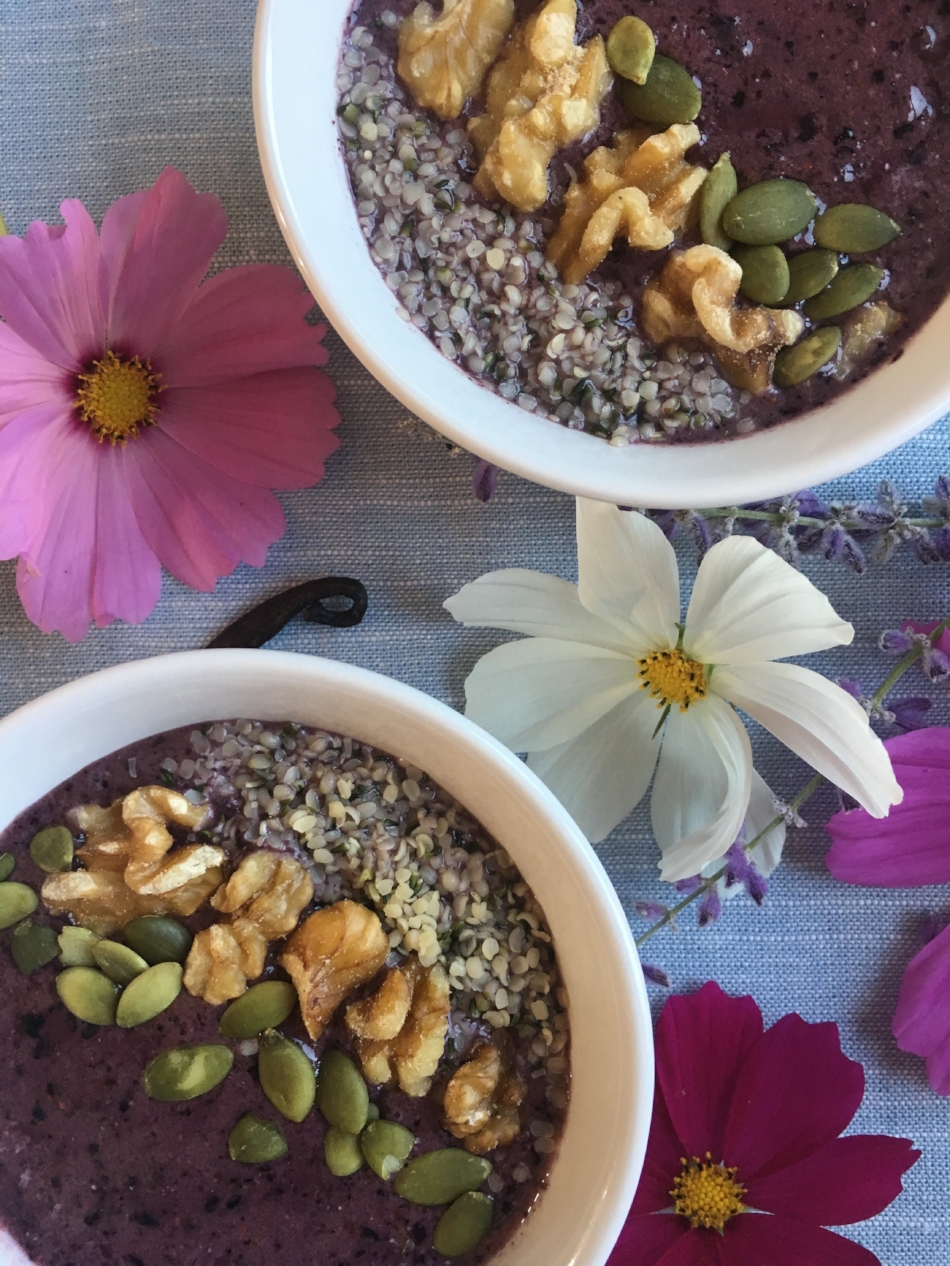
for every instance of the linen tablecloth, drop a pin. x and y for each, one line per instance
(96, 96)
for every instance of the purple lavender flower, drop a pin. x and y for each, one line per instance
(484, 480)
(910, 713)
(710, 908)
(656, 975)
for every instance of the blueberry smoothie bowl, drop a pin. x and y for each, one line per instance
(652, 223)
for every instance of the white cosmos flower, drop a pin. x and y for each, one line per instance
(609, 686)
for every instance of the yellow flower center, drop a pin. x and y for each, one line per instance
(117, 396)
(671, 677)
(707, 1194)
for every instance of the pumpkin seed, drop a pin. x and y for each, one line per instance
(372, 1113)
(342, 1152)
(441, 1177)
(52, 849)
(794, 364)
(851, 287)
(385, 1146)
(631, 47)
(149, 994)
(287, 1076)
(17, 902)
(119, 963)
(809, 273)
(88, 994)
(185, 1072)
(853, 229)
(669, 95)
(718, 190)
(463, 1224)
(255, 1142)
(764, 273)
(33, 946)
(264, 1006)
(75, 947)
(158, 939)
(7, 863)
(342, 1096)
(770, 212)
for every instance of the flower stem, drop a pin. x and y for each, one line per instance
(778, 517)
(908, 661)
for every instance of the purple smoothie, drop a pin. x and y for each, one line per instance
(93, 1172)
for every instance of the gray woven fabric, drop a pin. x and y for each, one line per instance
(96, 96)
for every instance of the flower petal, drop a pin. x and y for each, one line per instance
(244, 321)
(702, 788)
(628, 575)
(749, 604)
(127, 576)
(755, 1238)
(911, 846)
(602, 775)
(820, 722)
(197, 520)
(794, 1094)
(663, 1161)
(152, 281)
(273, 430)
(922, 1020)
(27, 378)
(533, 603)
(702, 1041)
(49, 288)
(539, 692)
(762, 811)
(30, 452)
(645, 1240)
(850, 1180)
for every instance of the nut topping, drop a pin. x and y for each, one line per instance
(412, 1054)
(481, 1102)
(444, 59)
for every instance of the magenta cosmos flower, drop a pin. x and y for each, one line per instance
(145, 416)
(910, 849)
(744, 1164)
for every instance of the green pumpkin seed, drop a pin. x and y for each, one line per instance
(764, 273)
(386, 1146)
(52, 849)
(149, 994)
(158, 939)
(669, 95)
(809, 273)
(17, 902)
(372, 1113)
(441, 1177)
(75, 947)
(794, 364)
(463, 1224)
(88, 994)
(850, 288)
(342, 1151)
(33, 946)
(119, 963)
(718, 190)
(186, 1072)
(769, 212)
(854, 229)
(255, 1142)
(287, 1076)
(342, 1096)
(264, 1006)
(631, 47)
(7, 863)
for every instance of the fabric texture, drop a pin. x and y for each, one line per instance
(96, 97)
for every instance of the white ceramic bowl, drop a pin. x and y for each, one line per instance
(295, 63)
(595, 1175)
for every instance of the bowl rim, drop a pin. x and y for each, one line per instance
(303, 167)
(106, 710)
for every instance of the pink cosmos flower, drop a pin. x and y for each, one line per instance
(145, 416)
(910, 849)
(744, 1164)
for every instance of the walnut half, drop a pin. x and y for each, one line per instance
(414, 1046)
(444, 59)
(481, 1102)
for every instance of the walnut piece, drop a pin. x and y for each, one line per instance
(481, 1102)
(332, 953)
(444, 59)
(411, 1054)
(867, 326)
(130, 865)
(642, 187)
(695, 297)
(264, 898)
(543, 93)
